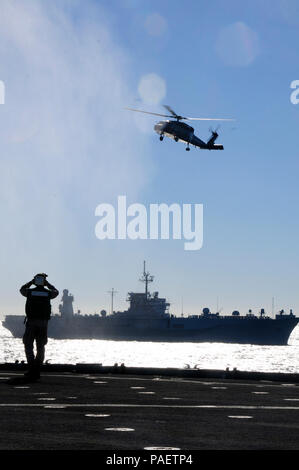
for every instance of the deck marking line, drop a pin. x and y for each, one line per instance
(130, 405)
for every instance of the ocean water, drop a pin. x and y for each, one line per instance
(147, 354)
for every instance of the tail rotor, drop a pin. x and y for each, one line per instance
(214, 132)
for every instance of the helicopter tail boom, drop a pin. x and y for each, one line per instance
(215, 147)
(210, 145)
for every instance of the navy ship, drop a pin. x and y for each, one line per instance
(148, 319)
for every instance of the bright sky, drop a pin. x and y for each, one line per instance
(67, 145)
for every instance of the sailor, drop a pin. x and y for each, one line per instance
(38, 311)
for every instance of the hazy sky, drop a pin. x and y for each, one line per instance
(67, 145)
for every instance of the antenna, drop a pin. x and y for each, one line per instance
(182, 306)
(112, 292)
(273, 307)
(146, 278)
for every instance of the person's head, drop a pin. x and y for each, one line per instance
(39, 279)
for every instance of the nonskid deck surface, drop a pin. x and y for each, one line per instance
(101, 411)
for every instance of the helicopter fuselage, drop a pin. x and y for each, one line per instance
(180, 131)
(174, 129)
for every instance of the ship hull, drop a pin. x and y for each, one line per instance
(243, 330)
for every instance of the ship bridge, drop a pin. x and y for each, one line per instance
(146, 304)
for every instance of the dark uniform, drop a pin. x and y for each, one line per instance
(38, 311)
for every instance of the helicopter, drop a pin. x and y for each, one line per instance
(181, 132)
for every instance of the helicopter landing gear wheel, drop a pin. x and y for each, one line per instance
(176, 139)
(161, 137)
(187, 148)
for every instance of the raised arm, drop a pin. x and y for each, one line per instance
(25, 288)
(53, 291)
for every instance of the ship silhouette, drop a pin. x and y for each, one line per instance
(148, 319)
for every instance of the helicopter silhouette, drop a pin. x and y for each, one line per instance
(182, 132)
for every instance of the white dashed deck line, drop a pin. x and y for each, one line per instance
(120, 429)
(228, 383)
(131, 405)
(54, 407)
(239, 417)
(183, 380)
(162, 448)
(47, 399)
(171, 398)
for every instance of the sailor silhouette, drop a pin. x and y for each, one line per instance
(38, 312)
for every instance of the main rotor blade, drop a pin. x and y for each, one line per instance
(207, 119)
(181, 118)
(170, 110)
(147, 112)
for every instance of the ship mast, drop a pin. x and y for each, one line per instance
(112, 292)
(146, 278)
